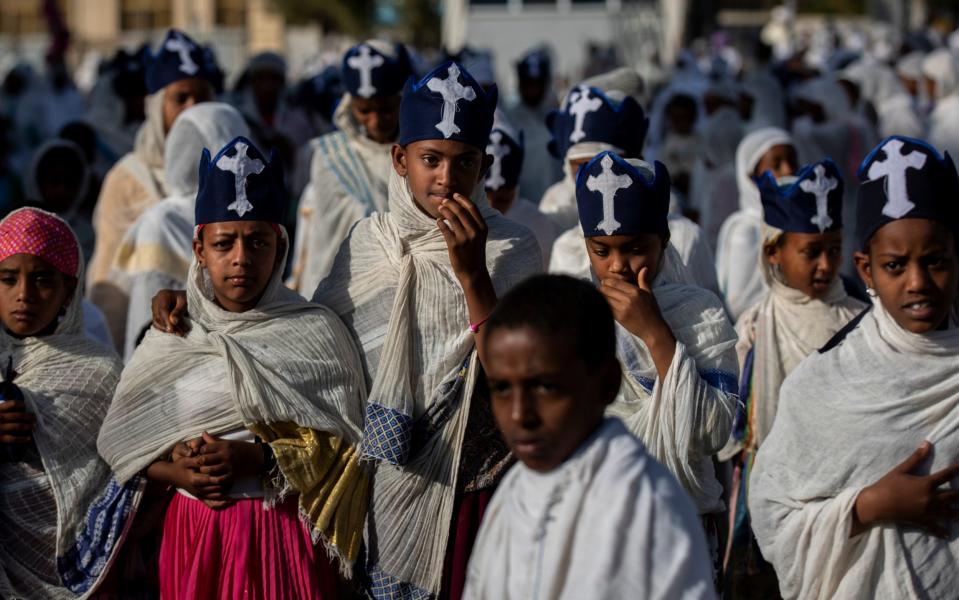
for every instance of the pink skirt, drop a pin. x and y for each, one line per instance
(243, 551)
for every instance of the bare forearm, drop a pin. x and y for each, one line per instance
(662, 346)
(161, 472)
(480, 300)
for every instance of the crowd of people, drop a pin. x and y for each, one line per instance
(389, 333)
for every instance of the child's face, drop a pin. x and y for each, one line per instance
(240, 257)
(624, 256)
(574, 165)
(502, 199)
(32, 292)
(181, 95)
(913, 267)
(808, 262)
(544, 397)
(781, 159)
(437, 169)
(380, 117)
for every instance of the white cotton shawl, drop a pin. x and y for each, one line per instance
(157, 250)
(737, 248)
(146, 160)
(784, 328)
(846, 418)
(393, 286)
(607, 524)
(287, 361)
(349, 175)
(67, 381)
(685, 418)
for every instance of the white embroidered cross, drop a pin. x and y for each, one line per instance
(579, 107)
(452, 91)
(242, 167)
(183, 48)
(498, 151)
(820, 187)
(894, 170)
(364, 62)
(608, 184)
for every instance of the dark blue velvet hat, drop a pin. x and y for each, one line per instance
(589, 115)
(240, 184)
(810, 204)
(905, 178)
(447, 104)
(535, 65)
(178, 57)
(616, 198)
(507, 152)
(368, 73)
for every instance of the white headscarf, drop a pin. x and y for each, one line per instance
(713, 189)
(149, 144)
(941, 67)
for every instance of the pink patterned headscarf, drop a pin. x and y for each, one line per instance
(41, 234)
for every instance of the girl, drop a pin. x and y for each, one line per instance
(61, 515)
(674, 340)
(253, 416)
(737, 248)
(877, 522)
(177, 77)
(805, 306)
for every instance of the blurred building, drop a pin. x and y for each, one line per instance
(236, 28)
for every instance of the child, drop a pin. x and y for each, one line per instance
(414, 285)
(738, 245)
(177, 77)
(502, 186)
(587, 513)
(349, 168)
(805, 306)
(675, 343)
(61, 515)
(878, 521)
(253, 416)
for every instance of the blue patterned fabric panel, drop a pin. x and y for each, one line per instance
(84, 562)
(384, 586)
(347, 168)
(387, 434)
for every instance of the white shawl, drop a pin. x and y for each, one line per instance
(393, 286)
(846, 418)
(781, 330)
(685, 418)
(609, 523)
(61, 519)
(349, 174)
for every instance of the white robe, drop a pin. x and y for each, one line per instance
(607, 524)
(348, 181)
(847, 417)
(540, 168)
(525, 213)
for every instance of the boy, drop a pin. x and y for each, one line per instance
(675, 343)
(502, 186)
(349, 168)
(587, 513)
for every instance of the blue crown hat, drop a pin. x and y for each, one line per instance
(240, 184)
(616, 198)
(905, 178)
(535, 65)
(368, 73)
(447, 104)
(810, 204)
(178, 57)
(507, 153)
(589, 115)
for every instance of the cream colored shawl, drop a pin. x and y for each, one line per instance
(394, 287)
(61, 520)
(846, 417)
(291, 366)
